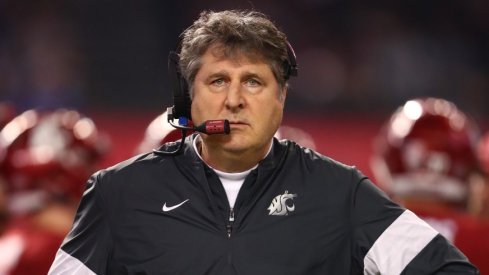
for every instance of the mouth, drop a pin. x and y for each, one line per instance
(237, 124)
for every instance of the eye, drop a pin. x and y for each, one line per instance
(218, 82)
(252, 82)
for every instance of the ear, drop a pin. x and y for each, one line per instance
(283, 94)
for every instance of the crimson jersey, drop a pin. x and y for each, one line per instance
(27, 249)
(469, 234)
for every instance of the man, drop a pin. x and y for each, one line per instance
(425, 158)
(46, 157)
(244, 203)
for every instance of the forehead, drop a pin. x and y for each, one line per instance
(215, 61)
(221, 52)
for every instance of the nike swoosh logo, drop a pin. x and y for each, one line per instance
(170, 208)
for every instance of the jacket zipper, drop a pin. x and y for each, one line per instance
(229, 226)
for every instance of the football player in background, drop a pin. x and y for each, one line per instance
(45, 160)
(424, 157)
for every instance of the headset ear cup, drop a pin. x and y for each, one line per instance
(290, 65)
(181, 93)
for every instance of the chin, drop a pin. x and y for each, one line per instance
(232, 142)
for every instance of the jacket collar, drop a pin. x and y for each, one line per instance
(270, 162)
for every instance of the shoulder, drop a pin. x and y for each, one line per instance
(135, 163)
(314, 161)
(160, 163)
(132, 170)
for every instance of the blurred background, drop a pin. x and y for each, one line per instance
(358, 61)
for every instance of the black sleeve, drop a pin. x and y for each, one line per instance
(388, 239)
(87, 246)
(440, 257)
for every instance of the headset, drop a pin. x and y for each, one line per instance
(180, 87)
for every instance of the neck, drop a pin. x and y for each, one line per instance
(232, 161)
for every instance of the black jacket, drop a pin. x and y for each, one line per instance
(298, 213)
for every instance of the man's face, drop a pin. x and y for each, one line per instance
(245, 92)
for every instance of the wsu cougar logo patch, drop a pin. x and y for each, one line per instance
(282, 204)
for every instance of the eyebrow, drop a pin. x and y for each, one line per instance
(217, 75)
(251, 75)
(244, 75)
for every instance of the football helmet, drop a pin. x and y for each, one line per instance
(426, 148)
(50, 153)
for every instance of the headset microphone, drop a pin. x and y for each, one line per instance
(213, 127)
(209, 127)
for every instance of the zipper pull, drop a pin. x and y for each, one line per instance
(229, 226)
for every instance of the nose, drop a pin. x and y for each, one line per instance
(234, 98)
